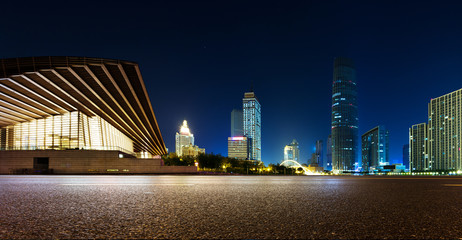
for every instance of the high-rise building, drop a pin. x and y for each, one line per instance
(292, 151)
(344, 115)
(237, 123)
(374, 151)
(183, 138)
(328, 165)
(238, 148)
(406, 155)
(418, 147)
(252, 124)
(318, 153)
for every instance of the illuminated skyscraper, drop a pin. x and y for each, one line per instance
(318, 153)
(292, 151)
(445, 132)
(183, 138)
(418, 147)
(344, 115)
(252, 124)
(374, 152)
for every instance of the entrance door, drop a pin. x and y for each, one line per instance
(41, 164)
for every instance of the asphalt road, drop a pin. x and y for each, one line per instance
(230, 207)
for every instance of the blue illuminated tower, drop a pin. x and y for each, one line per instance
(252, 124)
(344, 116)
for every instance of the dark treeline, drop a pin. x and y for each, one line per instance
(218, 163)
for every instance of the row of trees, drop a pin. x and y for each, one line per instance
(216, 162)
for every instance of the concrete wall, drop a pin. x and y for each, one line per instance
(86, 161)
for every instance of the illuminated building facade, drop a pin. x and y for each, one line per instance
(238, 148)
(445, 132)
(252, 124)
(292, 151)
(192, 150)
(418, 147)
(436, 146)
(374, 152)
(183, 138)
(344, 116)
(76, 115)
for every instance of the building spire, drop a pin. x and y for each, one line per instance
(251, 86)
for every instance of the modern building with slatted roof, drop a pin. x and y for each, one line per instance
(76, 103)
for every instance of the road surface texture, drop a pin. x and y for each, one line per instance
(285, 207)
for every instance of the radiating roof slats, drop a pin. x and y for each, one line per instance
(111, 89)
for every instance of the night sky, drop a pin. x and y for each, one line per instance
(198, 58)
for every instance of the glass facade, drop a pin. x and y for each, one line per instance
(344, 116)
(292, 151)
(72, 130)
(252, 124)
(374, 152)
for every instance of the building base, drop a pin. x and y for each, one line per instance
(82, 162)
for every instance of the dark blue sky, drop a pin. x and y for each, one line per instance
(198, 59)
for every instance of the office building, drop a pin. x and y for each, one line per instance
(238, 148)
(418, 147)
(292, 151)
(237, 123)
(183, 138)
(76, 115)
(344, 116)
(374, 152)
(252, 124)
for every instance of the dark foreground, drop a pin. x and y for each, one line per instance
(230, 207)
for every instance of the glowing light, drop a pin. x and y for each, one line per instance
(185, 129)
(237, 138)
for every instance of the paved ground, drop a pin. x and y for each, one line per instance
(230, 207)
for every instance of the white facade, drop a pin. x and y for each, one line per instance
(252, 124)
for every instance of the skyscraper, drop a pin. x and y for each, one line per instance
(445, 132)
(374, 151)
(344, 115)
(418, 147)
(252, 124)
(318, 153)
(292, 151)
(183, 138)
(328, 165)
(237, 128)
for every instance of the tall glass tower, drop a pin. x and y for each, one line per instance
(344, 116)
(252, 124)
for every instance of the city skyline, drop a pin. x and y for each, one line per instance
(208, 53)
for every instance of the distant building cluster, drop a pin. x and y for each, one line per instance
(245, 140)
